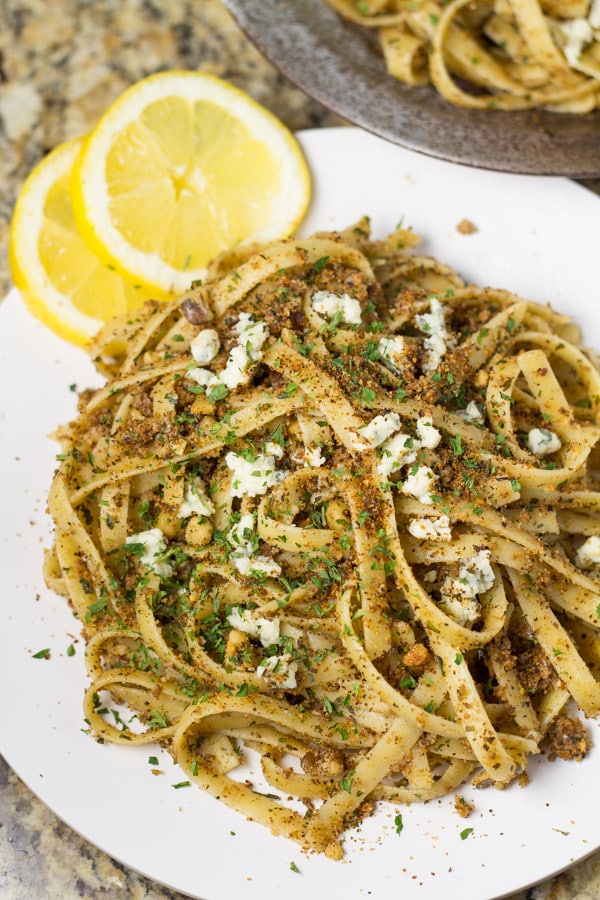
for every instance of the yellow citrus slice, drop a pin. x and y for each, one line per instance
(62, 282)
(181, 167)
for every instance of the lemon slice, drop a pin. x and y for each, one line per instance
(61, 281)
(181, 167)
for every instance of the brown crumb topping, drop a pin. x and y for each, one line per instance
(568, 739)
(465, 226)
(462, 806)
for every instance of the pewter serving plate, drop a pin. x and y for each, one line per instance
(339, 65)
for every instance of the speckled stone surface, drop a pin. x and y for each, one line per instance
(61, 64)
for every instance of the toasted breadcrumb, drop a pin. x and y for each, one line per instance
(465, 226)
(568, 739)
(462, 806)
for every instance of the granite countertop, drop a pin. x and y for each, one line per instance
(61, 64)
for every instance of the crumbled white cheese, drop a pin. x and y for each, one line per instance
(588, 554)
(195, 502)
(328, 304)
(395, 453)
(464, 610)
(577, 33)
(281, 668)
(252, 336)
(401, 450)
(430, 576)
(419, 484)
(380, 429)
(240, 533)
(475, 575)
(433, 324)
(205, 346)
(429, 436)
(541, 441)
(272, 448)
(437, 529)
(308, 456)
(392, 351)
(247, 564)
(244, 556)
(459, 595)
(204, 377)
(235, 372)
(254, 476)
(313, 457)
(265, 630)
(155, 545)
(471, 414)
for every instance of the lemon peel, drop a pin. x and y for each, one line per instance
(59, 278)
(180, 168)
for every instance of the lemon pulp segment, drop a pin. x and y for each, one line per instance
(61, 280)
(182, 167)
(202, 186)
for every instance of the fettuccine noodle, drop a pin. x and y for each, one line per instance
(336, 510)
(490, 54)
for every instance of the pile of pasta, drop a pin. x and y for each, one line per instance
(490, 54)
(336, 511)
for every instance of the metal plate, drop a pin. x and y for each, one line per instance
(339, 65)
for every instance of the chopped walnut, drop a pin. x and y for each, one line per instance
(416, 658)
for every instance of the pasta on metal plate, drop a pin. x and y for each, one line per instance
(490, 54)
(337, 510)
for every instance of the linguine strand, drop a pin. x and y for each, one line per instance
(354, 536)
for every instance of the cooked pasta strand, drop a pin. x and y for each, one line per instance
(490, 54)
(337, 510)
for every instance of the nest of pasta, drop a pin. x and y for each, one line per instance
(490, 54)
(337, 509)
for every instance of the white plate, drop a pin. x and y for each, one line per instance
(536, 236)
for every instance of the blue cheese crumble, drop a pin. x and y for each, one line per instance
(459, 595)
(392, 352)
(253, 476)
(154, 545)
(433, 324)
(264, 630)
(252, 336)
(195, 502)
(328, 304)
(588, 555)
(541, 441)
(432, 529)
(244, 557)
